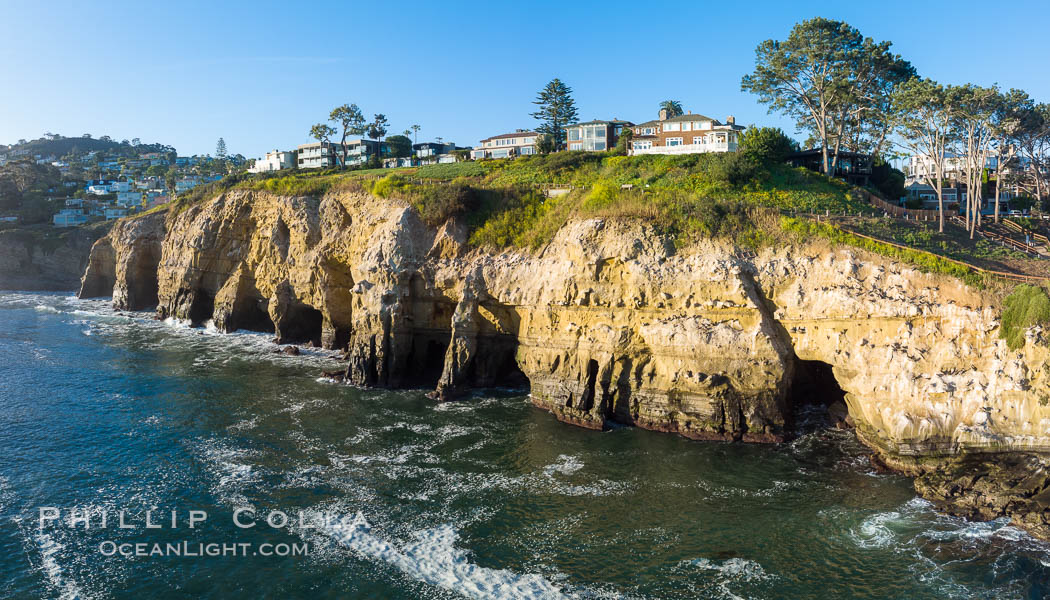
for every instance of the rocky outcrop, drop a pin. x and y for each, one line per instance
(610, 323)
(42, 258)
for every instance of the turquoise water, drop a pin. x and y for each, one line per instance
(484, 498)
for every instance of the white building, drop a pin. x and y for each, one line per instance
(506, 145)
(274, 161)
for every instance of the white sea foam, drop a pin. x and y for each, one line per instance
(232, 475)
(731, 572)
(566, 465)
(57, 579)
(433, 558)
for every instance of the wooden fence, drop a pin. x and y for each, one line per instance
(893, 209)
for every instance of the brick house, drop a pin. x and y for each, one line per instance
(685, 134)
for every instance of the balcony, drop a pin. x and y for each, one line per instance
(688, 149)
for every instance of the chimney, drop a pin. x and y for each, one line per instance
(663, 114)
(731, 120)
(688, 112)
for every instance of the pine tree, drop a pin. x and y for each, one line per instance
(557, 109)
(220, 149)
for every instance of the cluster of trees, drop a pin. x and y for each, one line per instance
(351, 121)
(850, 93)
(974, 124)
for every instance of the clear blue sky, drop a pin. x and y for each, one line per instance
(260, 73)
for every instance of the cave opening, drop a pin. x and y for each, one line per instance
(301, 325)
(496, 363)
(201, 308)
(251, 315)
(426, 360)
(817, 395)
(587, 399)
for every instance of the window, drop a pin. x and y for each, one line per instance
(574, 134)
(527, 150)
(642, 145)
(698, 139)
(649, 131)
(672, 127)
(576, 146)
(675, 141)
(687, 126)
(599, 146)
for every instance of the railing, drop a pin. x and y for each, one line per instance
(687, 149)
(895, 210)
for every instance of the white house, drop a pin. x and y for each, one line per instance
(506, 145)
(274, 161)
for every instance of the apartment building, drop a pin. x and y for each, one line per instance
(320, 155)
(594, 136)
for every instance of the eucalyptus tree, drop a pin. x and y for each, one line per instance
(922, 118)
(973, 111)
(1007, 123)
(556, 110)
(835, 83)
(1033, 145)
(349, 117)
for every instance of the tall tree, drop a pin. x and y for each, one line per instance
(556, 110)
(400, 146)
(673, 108)
(1006, 124)
(922, 118)
(1033, 145)
(220, 149)
(415, 134)
(973, 109)
(377, 130)
(349, 117)
(831, 80)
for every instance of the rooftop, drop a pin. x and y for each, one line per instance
(510, 135)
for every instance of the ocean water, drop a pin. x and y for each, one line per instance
(483, 498)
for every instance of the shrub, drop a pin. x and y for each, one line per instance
(766, 144)
(1027, 306)
(438, 203)
(731, 167)
(389, 185)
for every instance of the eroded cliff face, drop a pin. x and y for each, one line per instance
(45, 259)
(608, 323)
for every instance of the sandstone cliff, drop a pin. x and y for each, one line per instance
(45, 259)
(610, 323)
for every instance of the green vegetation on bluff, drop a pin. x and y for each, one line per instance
(1025, 307)
(686, 196)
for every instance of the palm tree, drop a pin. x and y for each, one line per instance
(415, 130)
(673, 108)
